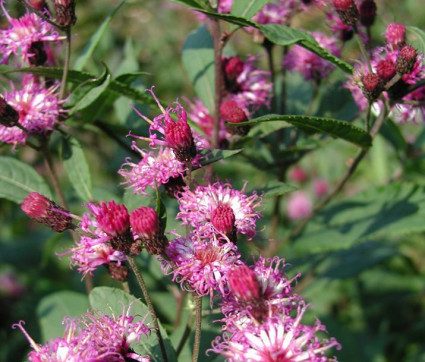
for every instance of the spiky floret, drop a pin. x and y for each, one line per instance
(197, 207)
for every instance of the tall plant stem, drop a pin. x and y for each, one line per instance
(269, 51)
(340, 185)
(198, 323)
(362, 47)
(66, 62)
(218, 77)
(148, 301)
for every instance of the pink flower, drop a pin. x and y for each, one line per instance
(321, 187)
(202, 264)
(198, 207)
(298, 174)
(395, 34)
(23, 33)
(225, 6)
(275, 13)
(47, 212)
(281, 339)
(39, 109)
(153, 170)
(308, 64)
(299, 206)
(96, 337)
(256, 293)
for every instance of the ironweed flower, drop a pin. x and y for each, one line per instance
(19, 38)
(46, 212)
(198, 207)
(299, 206)
(201, 265)
(280, 339)
(94, 337)
(39, 108)
(154, 170)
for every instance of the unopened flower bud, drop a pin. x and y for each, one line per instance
(367, 12)
(395, 34)
(179, 137)
(223, 219)
(347, 11)
(47, 212)
(321, 187)
(232, 68)
(37, 4)
(372, 86)
(9, 117)
(386, 69)
(232, 113)
(146, 225)
(243, 284)
(118, 272)
(113, 220)
(406, 59)
(65, 12)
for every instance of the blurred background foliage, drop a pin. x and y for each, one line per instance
(362, 259)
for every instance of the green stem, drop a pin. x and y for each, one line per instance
(148, 301)
(362, 47)
(66, 63)
(198, 323)
(217, 80)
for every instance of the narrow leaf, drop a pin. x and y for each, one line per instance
(17, 180)
(77, 168)
(275, 188)
(93, 42)
(198, 61)
(248, 8)
(211, 156)
(91, 96)
(333, 127)
(284, 35)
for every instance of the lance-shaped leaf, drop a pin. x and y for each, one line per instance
(211, 156)
(330, 126)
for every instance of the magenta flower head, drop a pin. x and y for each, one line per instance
(310, 65)
(39, 108)
(217, 204)
(386, 69)
(256, 293)
(298, 174)
(299, 206)
(146, 225)
(280, 339)
(320, 187)
(175, 134)
(47, 212)
(23, 33)
(154, 170)
(406, 59)
(395, 34)
(347, 11)
(372, 86)
(201, 265)
(231, 112)
(95, 337)
(65, 12)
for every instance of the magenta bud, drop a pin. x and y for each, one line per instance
(223, 219)
(243, 284)
(406, 59)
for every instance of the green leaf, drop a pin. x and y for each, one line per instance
(92, 95)
(419, 42)
(55, 307)
(284, 35)
(116, 87)
(198, 61)
(191, 3)
(77, 168)
(111, 301)
(17, 180)
(237, 20)
(330, 126)
(386, 211)
(275, 188)
(94, 41)
(211, 156)
(248, 8)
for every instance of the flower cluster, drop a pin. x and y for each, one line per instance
(246, 89)
(395, 69)
(95, 337)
